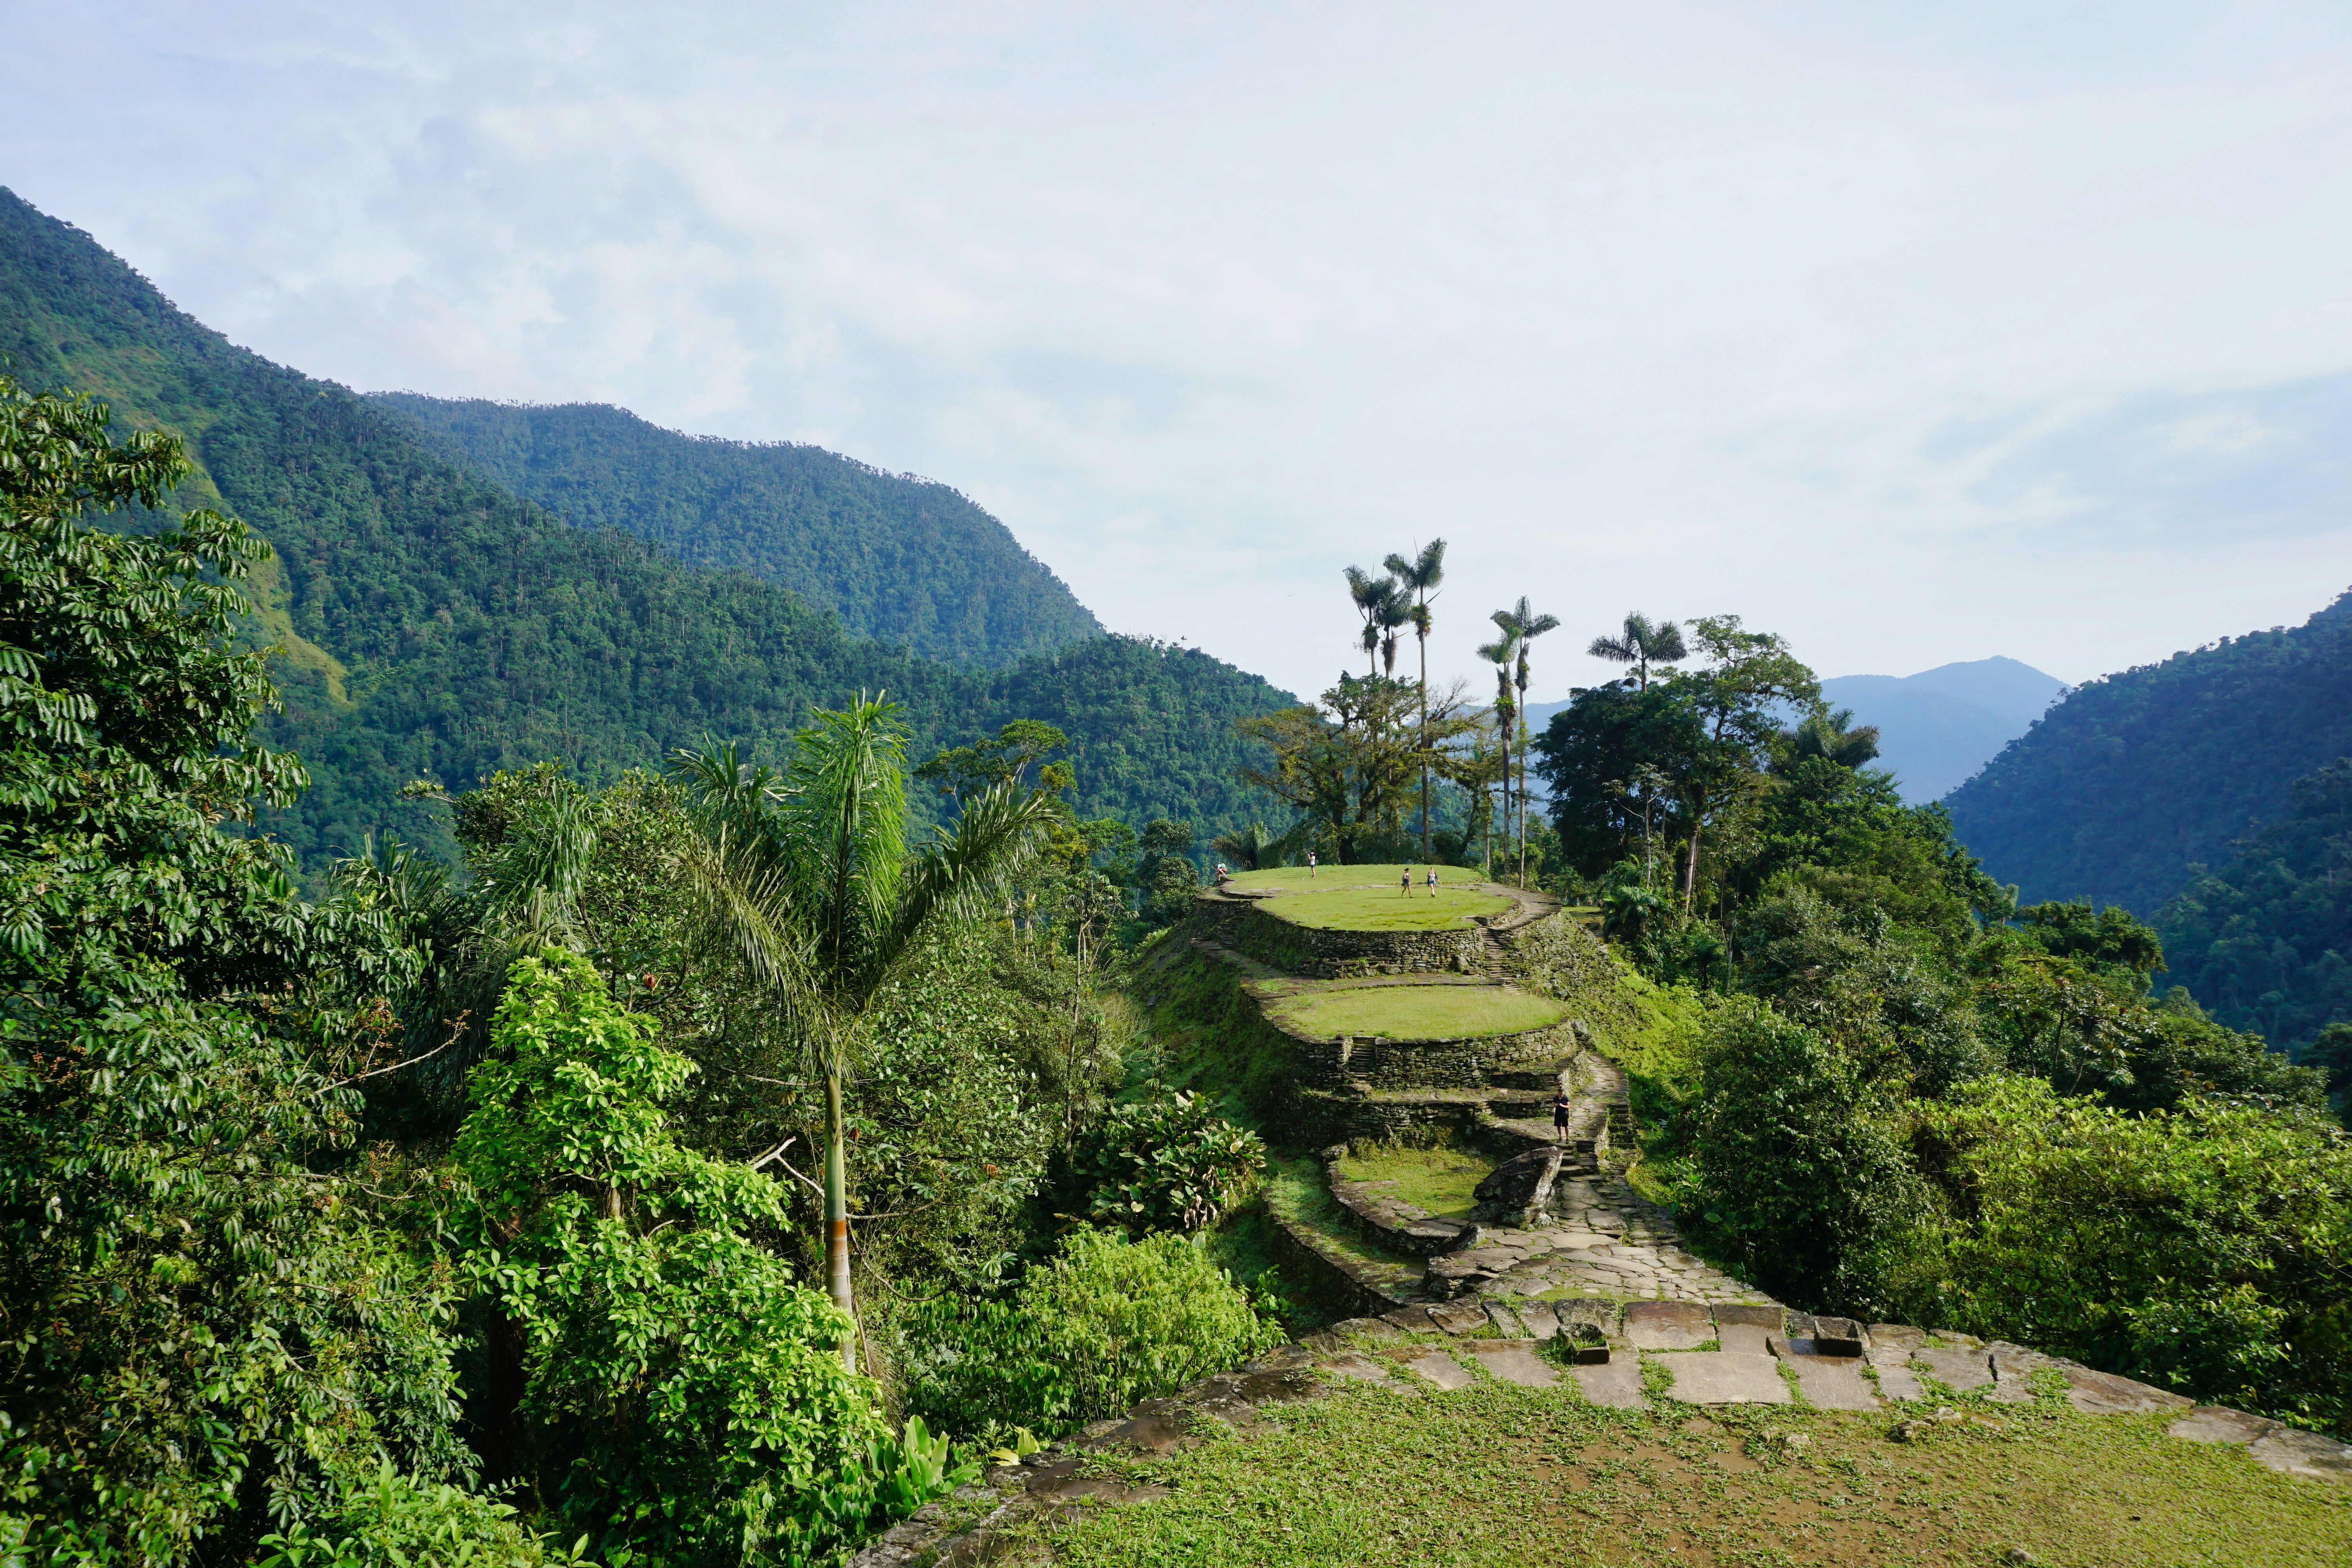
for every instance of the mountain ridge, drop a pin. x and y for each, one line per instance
(2137, 777)
(897, 558)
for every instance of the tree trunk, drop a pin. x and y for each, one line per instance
(1690, 865)
(1422, 739)
(836, 1215)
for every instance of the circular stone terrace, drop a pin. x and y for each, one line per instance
(1374, 897)
(1410, 1011)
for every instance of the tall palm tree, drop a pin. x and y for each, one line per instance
(1641, 644)
(1831, 734)
(1521, 622)
(1419, 577)
(1395, 614)
(1500, 653)
(1373, 595)
(808, 883)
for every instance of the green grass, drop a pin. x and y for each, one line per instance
(1294, 878)
(1417, 1012)
(1442, 1181)
(1495, 1473)
(1384, 908)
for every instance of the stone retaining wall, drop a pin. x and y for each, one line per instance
(1381, 1063)
(1321, 953)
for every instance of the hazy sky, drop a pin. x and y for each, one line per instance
(1916, 333)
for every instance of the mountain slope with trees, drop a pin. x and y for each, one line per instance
(898, 559)
(2131, 781)
(434, 623)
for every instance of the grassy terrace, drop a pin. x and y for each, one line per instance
(1415, 1012)
(1442, 1181)
(1369, 898)
(1495, 1474)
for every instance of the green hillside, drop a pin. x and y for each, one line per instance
(2132, 780)
(435, 623)
(898, 559)
(2265, 943)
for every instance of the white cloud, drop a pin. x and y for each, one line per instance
(1918, 335)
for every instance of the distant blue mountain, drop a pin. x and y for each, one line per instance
(1936, 728)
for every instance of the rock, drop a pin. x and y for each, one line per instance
(1768, 1318)
(1957, 1370)
(1437, 1367)
(1411, 1319)
(1668, 1325)
(2103, 1393)
(1600, 1313)
(2220, 1424)
(1895, 1336)
(1542, 1322)
(1589, 1348)
(1745, 1339)
(2306, 1454)
(1365, 1328)
(1460, 1318)
(1896, 1378)
(1520, 1188)
(1725, 1378)
(1518, 1366)
(1833, 1383)
(1836, 1336)
(1362, 1368)
(1617, 1385)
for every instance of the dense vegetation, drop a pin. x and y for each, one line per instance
(2120, 789)
(443, 1219)
(898, 559)
(433, 624)
(2266, 940)
(1903, 1097)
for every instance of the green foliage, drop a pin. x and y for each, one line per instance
(1169, 1164)
(898, 559)
(387, 1519)
(2204, 1249)
(1801, 1175)
(2266, 940)
(679, 1392)
(202, 1329)
(1106, 1322)
(2119, 792)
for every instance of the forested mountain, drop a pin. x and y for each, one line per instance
(2134, 779)
(898, 559)
(436, 624)
(2265, 943)
(1939, 727)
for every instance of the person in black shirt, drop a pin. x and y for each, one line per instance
(1560, 1107)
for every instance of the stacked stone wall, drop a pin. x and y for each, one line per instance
(1322, 953)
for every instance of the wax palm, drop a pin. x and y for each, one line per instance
(1373, 595)
(1395, 614)
(1642, 644)
(1831, 735)
(1500, 654)
(808, 884)
(1521, 622)
(1418, 578)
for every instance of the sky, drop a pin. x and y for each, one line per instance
(1913, 332)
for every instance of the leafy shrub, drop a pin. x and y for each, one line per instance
(391, 1520)
(681, 1392)
(1170, 1164)
(1107, 1321)
(1802, 1175)
(2204, 1249)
